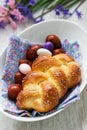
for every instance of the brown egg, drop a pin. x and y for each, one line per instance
(55, 40)
(18, 77)
(21, 61)
(58, 51)
(32, 52)
(14, 90)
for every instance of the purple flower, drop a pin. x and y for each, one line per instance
(6, 1)
(38, 20)
(60, 7)
(13, 17)
(19, 6)
(25, 11)
(79, 14)
(57, 12)
(2, 24)
(66, 12)
(29, 14)
(22, 8)
(32, 2)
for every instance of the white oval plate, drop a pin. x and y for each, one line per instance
(65, 30)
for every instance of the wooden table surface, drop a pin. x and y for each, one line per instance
(72, 118)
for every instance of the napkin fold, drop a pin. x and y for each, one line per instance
(17, 50)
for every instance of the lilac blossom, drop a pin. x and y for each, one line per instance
(66, 12)
(17, 14)
(25, 11)
(2, 24)
(79, 14)
(60, 9)
(38, 20)
(32, 2)
(22, 8)
(5, 15)
(57, 12)
(29, 14)
(6, 1)
(15, 11)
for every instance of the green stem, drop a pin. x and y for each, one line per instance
(50, 8)
(54, 4)
(44, 14)
(66, 2)
(38, 5)
(71, 4)
(81, 2)
(43, 11)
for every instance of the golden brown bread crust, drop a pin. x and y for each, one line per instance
(42, 98)
(43, 63)
(58, 77)
(49, 80)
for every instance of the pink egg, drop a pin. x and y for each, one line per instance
(24, 68)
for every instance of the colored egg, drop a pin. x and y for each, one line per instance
(14, 90)
(43, 51)
(55, 40)
(21, 61)
(58, 51)
(18, 77)
(32, 52)
(24, 68)
(49, 46)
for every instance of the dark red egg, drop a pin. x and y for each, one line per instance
(21, 61)
(32, 52)
(18, 77)
(55, 40)
(58, 51)
(14, 90)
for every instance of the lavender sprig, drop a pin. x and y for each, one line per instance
(2, 24)
(63, 6)
(15, 11)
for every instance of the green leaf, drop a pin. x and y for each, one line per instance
(71, 4)
(39, 5)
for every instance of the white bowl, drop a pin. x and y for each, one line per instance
(64, 29)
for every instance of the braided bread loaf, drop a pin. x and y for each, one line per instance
(49, 80)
